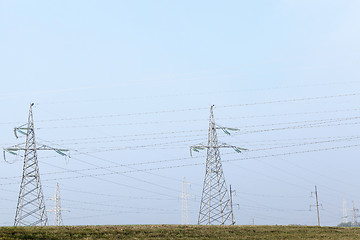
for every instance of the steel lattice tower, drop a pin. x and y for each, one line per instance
(215, 206)
(58, 221)
(354, 222)
(30, 209)
(184, 204)
(345, 212)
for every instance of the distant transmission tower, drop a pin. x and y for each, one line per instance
(30, 209)
(354, 222)
(345, 212)
(215, 205)
(58, 221)
(184, 205)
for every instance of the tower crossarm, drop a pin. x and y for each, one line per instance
(22, 130)
(226, 129)
(199, 147)
(21, 147)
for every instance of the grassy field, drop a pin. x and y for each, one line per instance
(179, 232)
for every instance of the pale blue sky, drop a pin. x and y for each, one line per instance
(94, 68)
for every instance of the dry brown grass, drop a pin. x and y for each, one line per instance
(180, 232)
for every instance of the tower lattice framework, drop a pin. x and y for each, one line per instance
(30, 209)
(184, 204)
(215, 203)
(58, 221)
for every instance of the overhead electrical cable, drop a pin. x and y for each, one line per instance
(189, 158)
(290, 114)
(183, 121)
(109, 181)
(202, 108)
(290, 100)
(298, 127)
(202, 163)
(134, 178)
(113, 195)
(132, 135)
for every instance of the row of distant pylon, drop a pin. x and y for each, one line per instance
(215, 206)
(354, 215)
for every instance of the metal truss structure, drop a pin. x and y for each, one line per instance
(30, 209)
(184, 204)
(215, 206)
(58, 221)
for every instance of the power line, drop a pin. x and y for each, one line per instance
(187, 140)
(125, 115)
(291, 100)
(221, 118)
(184, 121)
(197, 164)
(280, 141)
(193, 164)
(120, 206)
(138, 179)
(292, 114)
(299, 127)
(110, 170)
(200, 108)
(108, 180)
(269, 195)
(115, 196)
(120, 124)
(133, 135)
(96, 176)
(123, 139)
(201, 93)
(312, 122)
(252, 150)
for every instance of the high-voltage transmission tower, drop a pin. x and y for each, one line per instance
(184, 205)
(345, 212)
(58, 221)
(30, 209)
(215, 207)
(354, 210)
